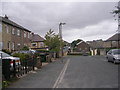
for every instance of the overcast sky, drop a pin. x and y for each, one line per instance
(84, 20)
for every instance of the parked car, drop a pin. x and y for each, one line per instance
(113, 56)
(5, 56)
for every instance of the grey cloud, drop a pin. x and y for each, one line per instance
(40, 17)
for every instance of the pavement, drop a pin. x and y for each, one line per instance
(41, 78)
(73, 72)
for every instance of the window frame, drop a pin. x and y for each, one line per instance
(35, 44)
(25, 34)
(7, 28)
(18, 32)
(13, 31)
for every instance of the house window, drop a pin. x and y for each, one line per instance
(18, 32)
(13, 30)
(7, 28)
(0, 27)
(1, 45)
(80, 49)
(8, 45)
(25, 44)
(34, 44)
(25, 34)
(13, 46)
(18, 44)
(41, 44)
(28, 35)
(113, 41)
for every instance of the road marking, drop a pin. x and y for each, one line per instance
(105, 60)
(60, 77)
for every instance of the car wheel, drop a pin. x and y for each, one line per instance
(114, 62)
(108, 61)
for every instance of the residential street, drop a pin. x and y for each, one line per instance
(75, 72)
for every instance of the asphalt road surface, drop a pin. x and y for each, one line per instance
(75, 72)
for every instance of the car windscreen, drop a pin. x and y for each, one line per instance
(116, 51)
(4, 54)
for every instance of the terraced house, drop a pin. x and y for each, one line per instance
(13, 36)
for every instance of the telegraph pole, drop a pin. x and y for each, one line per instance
(119, 18)
(119, 24)
(60, 34)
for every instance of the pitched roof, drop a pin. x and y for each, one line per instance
(96, 44)
(8, 21)
(79, 43)
(37, 38)
(66, 42)
(115, 37)
(100, 44)
(82, 42)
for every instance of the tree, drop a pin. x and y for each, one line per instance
(25, 48)
(52, 41)
(117, 11)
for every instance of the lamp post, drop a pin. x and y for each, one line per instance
(60, 34)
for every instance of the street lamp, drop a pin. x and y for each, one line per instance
(60, 29)
(60, 34)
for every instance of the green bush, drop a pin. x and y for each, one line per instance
(74, 53)
(42, 50)
(36, 54)
(5, 84)
(22, 56)
(25, 48)
(6, 51)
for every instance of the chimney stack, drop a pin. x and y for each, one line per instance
(6, 16)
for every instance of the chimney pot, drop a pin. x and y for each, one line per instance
(6, 16)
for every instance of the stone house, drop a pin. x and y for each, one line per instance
(82, 47)
(100, 47)
(114, 41)
(13, 36)
(37, 42)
